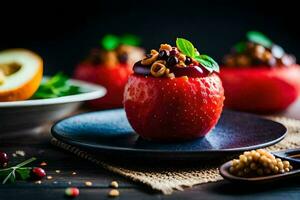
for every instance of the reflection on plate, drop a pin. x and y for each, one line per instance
(108, 132)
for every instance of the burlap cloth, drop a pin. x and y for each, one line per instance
(168, 179)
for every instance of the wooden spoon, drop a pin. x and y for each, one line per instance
(293, 156)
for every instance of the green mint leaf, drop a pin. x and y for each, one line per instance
(240, 47)
(23, 173)
(57, 86)
(210, 64)
(110, 42)
(9, 174)
(131, 40)
(186, 47)
(259, 38)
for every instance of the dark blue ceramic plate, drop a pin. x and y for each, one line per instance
(108, 132)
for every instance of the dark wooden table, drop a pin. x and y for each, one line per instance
(36, 143)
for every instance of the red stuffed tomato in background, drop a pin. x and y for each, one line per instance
(259, 76)
(260, 89)
(113, 79)
(110, 66)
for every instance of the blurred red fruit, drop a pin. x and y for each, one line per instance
(260, 90)
(112, 78)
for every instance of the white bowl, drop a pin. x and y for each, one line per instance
(23, 115)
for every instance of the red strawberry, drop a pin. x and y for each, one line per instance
(167, 109)
(112, 78)
(260, 89)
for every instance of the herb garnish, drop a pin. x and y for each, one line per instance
(240, 47)
(259, 38)
(187, 48)
(57, 86)
(110, 42)
(18, 172)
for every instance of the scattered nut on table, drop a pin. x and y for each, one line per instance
(114, 193)
(114, 184)
(88, 183)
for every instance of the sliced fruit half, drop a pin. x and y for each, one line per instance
(21, 73)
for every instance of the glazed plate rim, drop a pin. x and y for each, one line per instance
(115, 149)
(90, 92)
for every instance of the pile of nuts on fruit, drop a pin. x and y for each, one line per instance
(258, 163)
(167, 57)
(257, 55)
(124, 54)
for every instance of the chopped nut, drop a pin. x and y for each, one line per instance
(43, 164)
(20, 153)
(259, 51)
(88, 183)
(114, 193)
(49, 177)
(158, 69)
(181, 57)
(243, 60)
(74, 173)
(114, 184)
(152, 59)
(38, 182)
(57, 171)
(171, 75)
(165, 47)
(109, 58)
(181, 64)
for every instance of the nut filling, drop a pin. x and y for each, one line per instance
(258, 163)
(171, 62)
(258, 51)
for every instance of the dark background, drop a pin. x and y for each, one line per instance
(63, 32)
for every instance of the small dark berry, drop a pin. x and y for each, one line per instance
(163, 55)
(172, 61)
(123, 58)
(3, 159)
(173, 52)
(37, 173)
(188, 61)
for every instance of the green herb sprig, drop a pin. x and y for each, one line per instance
(110, 42)
(57, 86)
(188, 49)
(18, 172)
(259, 38)
(255, 37)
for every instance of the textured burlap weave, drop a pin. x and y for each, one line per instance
(168, 179)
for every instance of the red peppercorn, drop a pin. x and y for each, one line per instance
(72, 192)
(3, 159)
(37, 173)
